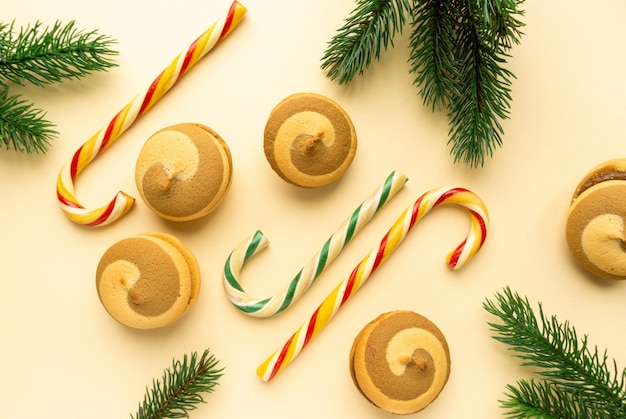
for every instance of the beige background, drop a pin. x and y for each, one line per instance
(62, 356)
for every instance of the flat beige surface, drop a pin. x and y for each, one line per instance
(62, 356)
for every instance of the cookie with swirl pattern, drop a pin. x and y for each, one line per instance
(595, 231)
(148, 281)
(184, 171)
(400, 362)
(309, 140)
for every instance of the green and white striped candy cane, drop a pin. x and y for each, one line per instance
(268, 306)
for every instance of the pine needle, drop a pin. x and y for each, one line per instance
(180, 388)
(573, 371)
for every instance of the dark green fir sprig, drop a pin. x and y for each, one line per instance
(180, 387)
(458, 53)
(576, 380)
(23, 127)
(41, 55)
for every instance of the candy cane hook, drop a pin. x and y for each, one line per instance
(102, 139)
(265, 307)
(458, 257)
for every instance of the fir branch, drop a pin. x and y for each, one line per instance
(564, 360)
(368, 31)
(502, 16)
(179, 389)
(484, 92)
(41, 55)
(459, 49)
(433, 51)
(541, 399)
(22, 126)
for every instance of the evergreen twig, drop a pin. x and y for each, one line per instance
(22, 126)
(483, 40)
(458, 52)
(42, 55)
(541, 399)
(179, 389)
(433, 56)
(366, 33)
(573, 372)
(483, 92)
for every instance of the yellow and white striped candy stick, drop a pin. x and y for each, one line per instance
(102, 139)
(350, 285)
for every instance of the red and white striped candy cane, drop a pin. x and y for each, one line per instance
(102, 139)
(350, 285)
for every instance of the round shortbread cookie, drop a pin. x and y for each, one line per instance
(184, 172)
(595, 222)
(309, 140)
(148, 281)
(400, 362)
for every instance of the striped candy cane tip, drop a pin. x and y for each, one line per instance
(235, 14)
(99, 217)
(245, 250)
(120, 205)
(257, 242)
(276, 362)
(477, 235)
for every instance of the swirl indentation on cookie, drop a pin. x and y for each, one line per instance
(603, 243)
(309, 140)
(406, 348)
(175, 153)
(183, 171)
(122, 272)
(144, 282)
(400, 362)
(170, 183)
(396, 373)
(595, 229)
(306, 142)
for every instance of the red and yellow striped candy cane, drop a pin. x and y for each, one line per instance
(102, 139)
(350, 285)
